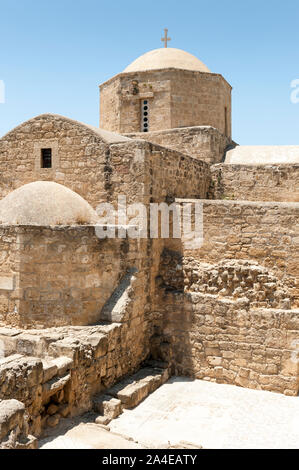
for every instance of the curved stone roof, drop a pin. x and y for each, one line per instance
(165, 58)
(262, 154)
(45, 203)
(106, 136)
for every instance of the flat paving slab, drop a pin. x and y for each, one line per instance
(213, 416)
(88, 436)
(201, 413)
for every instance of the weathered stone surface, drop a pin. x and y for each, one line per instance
(55, 385)
(169, 93)
(255, 182)
(134, 389)
(52, 421)
(103, 420)
(50, 369)
(11, 416)
(63, 364)
(107, 406)
(52, 409)
(86, 312)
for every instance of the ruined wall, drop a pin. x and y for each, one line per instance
(64, 367)
(203, 143)
(265, 232)
(227, 342)
(228, 311)
(255, 182)
(176, 98)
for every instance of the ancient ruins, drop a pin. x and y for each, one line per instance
(99, 323)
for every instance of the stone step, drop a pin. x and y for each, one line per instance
(129, 392)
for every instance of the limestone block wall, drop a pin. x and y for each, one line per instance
(60, 275)
(79, 160)
(255, 182)
(95, 169)
(232, 279)
(228, 311)
(110, 104)
(203, 143)
(9, 271)
(145, 172)
(201, 99)
(125, 113)
(172, 174)
(13, 426)
(225, 341)
(264, 232)
(176, 98)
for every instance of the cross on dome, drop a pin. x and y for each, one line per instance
(165, 39)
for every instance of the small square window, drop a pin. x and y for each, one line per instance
(46, 158)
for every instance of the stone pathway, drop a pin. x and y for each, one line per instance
(202, 413)
(212, 415)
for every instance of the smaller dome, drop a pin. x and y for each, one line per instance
(45, 203)
(166, 58)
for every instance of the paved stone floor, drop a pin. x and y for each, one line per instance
(203, 413)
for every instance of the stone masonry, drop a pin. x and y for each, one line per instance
(91, 323)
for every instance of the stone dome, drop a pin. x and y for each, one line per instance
(45, 203)
(165, 58)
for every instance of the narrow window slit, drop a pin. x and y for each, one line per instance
(46, 158)
(144, 116)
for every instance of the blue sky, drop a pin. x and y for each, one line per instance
(54, 54)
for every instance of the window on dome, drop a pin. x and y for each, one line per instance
(144, 116)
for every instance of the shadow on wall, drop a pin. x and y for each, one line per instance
(235, 335)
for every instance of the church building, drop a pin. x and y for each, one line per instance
(78, 314)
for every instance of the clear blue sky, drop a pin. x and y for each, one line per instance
(55, 53)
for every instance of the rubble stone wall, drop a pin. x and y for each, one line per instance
(228, 311)
(55, 372)
(262, 232)
(226, 341)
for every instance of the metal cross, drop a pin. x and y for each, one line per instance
(165, 39)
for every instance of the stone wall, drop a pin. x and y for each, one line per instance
(56, 372)
(228, 311)
(60, 275)
(176, 98)
(98, 170)
(263, 232)
(110, 102)
(255, 182)
(203, 143)
(225, 341)
(79, 160)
